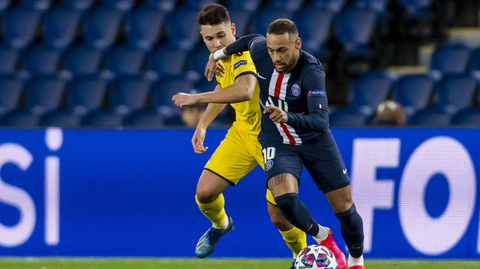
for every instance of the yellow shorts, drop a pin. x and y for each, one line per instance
(236, 156)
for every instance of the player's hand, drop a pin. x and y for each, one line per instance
(184, 99)
(197, 140)
(214, 68)
(276, 114)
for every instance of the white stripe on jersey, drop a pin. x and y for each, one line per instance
(282, 90)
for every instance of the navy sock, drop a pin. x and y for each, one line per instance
(297, 213)
(351, 225)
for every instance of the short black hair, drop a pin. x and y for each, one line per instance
(213, 14)
(282, 26)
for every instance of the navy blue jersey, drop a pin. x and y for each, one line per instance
(300, 93)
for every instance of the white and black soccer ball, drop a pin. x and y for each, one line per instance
(316, 257)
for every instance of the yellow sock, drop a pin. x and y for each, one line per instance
(296, 240)
(214, 211)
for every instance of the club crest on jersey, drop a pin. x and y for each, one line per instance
(296, 90)
(239, 63)
(317, 93)
(268, 165)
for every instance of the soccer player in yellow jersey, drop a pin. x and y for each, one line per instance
(240, 151)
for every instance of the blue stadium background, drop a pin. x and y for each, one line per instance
(116, 63)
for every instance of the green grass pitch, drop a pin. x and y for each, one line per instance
(190, 263)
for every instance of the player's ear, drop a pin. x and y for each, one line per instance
(233, 28)
(298, 43)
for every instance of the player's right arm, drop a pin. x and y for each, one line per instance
(208, 116)
(242, 44)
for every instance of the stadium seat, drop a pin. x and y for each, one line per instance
(430, 117)
(4, 4)
(469, 117)
(86, 94)
(62, 118)
(450, 58)
(9, 60)
(148, 118)
(79, 4)
(379, 6)
(197, 59)
(36, 4)
(262, 19)
(354, 28)
(314, 27)
(11, 88)
(41, 60)
(82, 60)
(198, 4)
(164, 90)
(45, 93)
(368, 91)
(167, 60)
(475, 59)
(22, 118)
(290, 5)
(241, 18)
(347, 118)
(101, 26)
(455, 92)
(246, 5)
(129, 94)
(183, 31)
(19, 26)
(334, 5)
(413, 92)
(122, 5)
(104, 118)
(143, 27)
(125, 60)
(162, 5)
(60, 26)
(416, 8)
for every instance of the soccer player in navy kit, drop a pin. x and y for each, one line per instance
(295, 132)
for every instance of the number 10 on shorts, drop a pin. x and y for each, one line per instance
(268, 156)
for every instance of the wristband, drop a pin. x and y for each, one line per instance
(219, 54)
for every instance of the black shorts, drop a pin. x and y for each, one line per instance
(322, 160)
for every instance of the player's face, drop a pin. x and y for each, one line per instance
(218, 36)
(284, 51)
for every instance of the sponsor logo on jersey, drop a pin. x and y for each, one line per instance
(239, 63)
(268, 165)
(317, 93)
(296, 90)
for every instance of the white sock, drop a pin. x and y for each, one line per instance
(355, 261)
(322, 234)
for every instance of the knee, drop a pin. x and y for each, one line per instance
(205, 196)
(278, 220)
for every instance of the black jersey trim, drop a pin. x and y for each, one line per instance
(246, 73)
(228, 181)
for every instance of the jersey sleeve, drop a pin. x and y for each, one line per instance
(317, 119)
(243, 64)
(242, 44)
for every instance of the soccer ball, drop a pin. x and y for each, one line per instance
(315, 256)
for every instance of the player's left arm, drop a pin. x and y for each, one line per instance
(317, 119)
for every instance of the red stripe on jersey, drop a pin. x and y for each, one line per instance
(287, 132)
(278, 85)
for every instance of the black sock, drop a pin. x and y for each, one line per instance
(351, 225)
(297, 213)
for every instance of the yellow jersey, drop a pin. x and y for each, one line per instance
(248, 113)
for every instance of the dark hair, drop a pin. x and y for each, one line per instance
(213, 14)
(282, 26)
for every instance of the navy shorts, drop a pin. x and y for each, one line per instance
(322, 160)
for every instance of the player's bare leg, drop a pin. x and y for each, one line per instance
(351, 224)
(295, 238)
(211, 202)
(284, 188)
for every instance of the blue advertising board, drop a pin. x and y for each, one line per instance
(131, 193)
